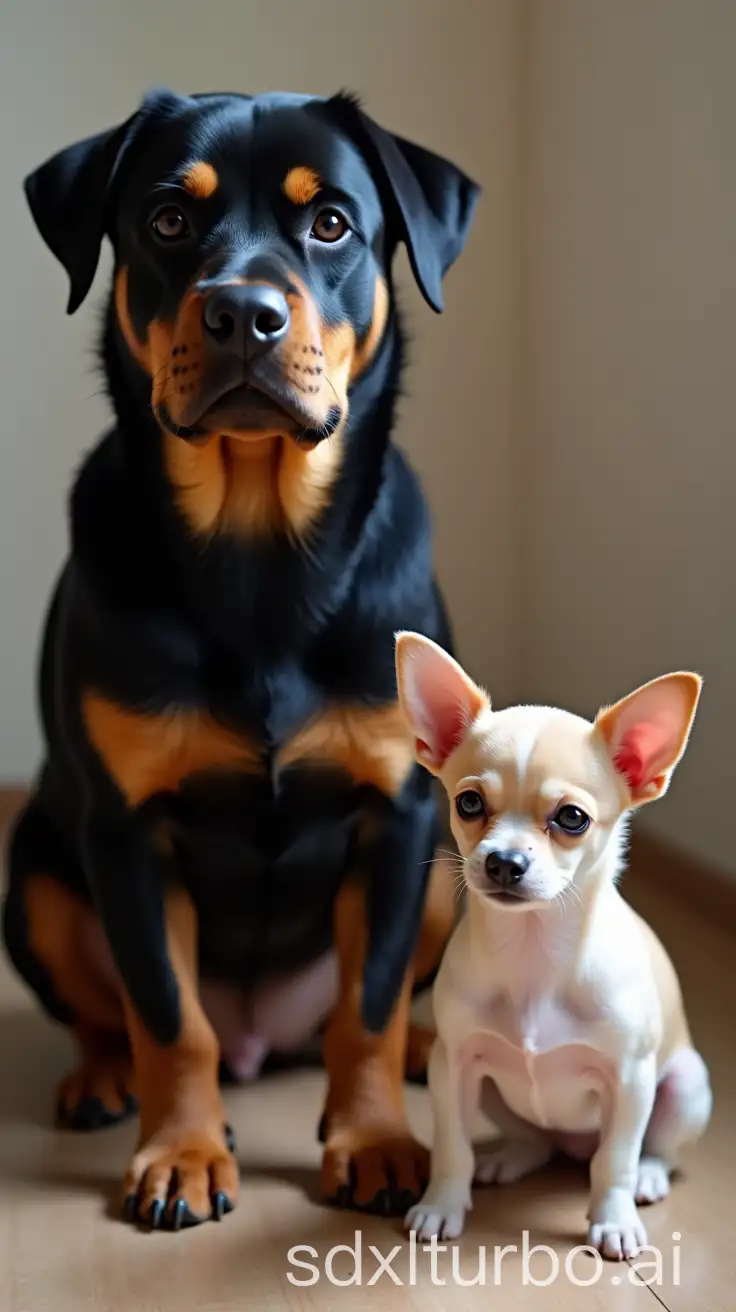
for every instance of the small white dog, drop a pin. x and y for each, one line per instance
(555, 1004)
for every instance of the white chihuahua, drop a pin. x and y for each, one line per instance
(555, 1005)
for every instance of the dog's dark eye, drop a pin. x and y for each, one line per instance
(329, 225)
(169, 224)
(470, 805)
(571, 820)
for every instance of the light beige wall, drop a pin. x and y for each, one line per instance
(625, 491)
(441, 71)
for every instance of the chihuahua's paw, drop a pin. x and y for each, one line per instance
(511, 1160)
(653, 1183)
(440, 1212)
(615, 1229)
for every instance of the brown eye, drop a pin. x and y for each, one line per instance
(470, 805)
(329, 226)
(169, 224)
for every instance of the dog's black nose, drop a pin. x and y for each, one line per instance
(506, 868)
(246, 318)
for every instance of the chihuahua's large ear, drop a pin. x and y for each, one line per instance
(433, 201)
(647, 732)
(68, 195)
(439, 700)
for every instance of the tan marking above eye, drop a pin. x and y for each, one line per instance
(301, 185)
(201, 180)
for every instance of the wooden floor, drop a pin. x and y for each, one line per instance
(63, 1248)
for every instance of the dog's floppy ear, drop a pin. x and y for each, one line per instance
(68, 195)
(439, 700)
(646, 733)
(432, 199)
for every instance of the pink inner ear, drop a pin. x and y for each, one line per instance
(439, 699)
(638, 752)
(450, 729)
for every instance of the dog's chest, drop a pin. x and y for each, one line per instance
(544, 1058)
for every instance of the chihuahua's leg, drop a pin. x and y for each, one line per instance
(523, 1149)
(453, 1089)
(681, 1112)
(615, 1229)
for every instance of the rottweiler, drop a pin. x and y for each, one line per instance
(229, 844)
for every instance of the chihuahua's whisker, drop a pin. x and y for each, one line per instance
(574, 893)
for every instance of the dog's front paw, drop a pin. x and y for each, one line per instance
(615, 1229)
(441, 1212)
(181, 1178)
(511, 1160)
(653, 1183)
(373, 1167)
(100, 1092)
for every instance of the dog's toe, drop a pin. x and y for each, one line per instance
(378, 1169)
(98, 1094)
(181, 1181)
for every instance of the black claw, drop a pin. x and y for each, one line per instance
(155, 1216)
(130, 1207)
(92, 1114)
(182, 1217)
(382, 1203)
(221, 1205)
(418, 1078)
(406, 1199)
(342, 1197)
(322, 1129)
(230, 1140)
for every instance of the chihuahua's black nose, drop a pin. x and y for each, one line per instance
(506, 868)
(246, 318)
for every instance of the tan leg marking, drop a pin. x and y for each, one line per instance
(370, 1158)
(182, 1171)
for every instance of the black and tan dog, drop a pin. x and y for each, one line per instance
(229, 842)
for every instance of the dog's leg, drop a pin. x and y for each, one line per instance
(524, 1148)
(454, 1090)
(183, 1172)
(438, 921)
(615, 1228)
(66, 937)
(371, 1160)
(681, 1112)
(57, 944)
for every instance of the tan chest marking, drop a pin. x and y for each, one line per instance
(371, 745)
(147, 754)
(263, 485)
